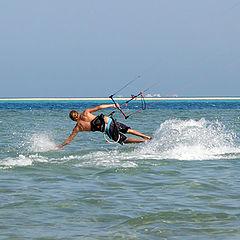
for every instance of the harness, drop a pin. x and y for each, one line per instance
(98, 124)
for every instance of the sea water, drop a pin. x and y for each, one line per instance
(183, 184)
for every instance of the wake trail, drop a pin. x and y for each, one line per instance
(175, 139)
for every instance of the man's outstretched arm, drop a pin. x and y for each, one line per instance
(68, 140)
(101, 107)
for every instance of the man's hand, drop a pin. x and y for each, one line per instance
(117, 105)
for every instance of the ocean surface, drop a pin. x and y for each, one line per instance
(184, 184)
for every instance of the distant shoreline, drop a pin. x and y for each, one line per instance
(119, 99)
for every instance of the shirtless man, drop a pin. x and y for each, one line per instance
(86, 121)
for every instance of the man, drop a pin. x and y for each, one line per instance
(86, 121)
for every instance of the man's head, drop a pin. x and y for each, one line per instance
(74, 115)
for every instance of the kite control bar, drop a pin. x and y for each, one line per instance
(126, 103)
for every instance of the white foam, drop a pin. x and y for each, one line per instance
(190, 140)
(38, 158)
(21, 161)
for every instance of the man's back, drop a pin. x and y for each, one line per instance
(84, 121)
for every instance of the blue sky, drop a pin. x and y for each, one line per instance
(83, 48)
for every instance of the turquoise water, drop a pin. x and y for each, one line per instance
(184, 184)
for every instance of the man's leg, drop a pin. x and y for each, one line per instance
(134, 140)
(136, 133)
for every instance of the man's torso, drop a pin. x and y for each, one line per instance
(84, 122)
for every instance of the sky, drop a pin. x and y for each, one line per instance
(83, 48)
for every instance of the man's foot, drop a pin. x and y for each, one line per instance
(148, 138)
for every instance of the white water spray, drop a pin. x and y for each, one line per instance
(41, 143)
(191, 140)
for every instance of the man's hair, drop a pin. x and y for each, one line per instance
(73, 115)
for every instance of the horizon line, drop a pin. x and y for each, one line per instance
(108, 99)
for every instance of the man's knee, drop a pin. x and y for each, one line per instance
(129, 130)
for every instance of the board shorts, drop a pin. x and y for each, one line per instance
(115, 131)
